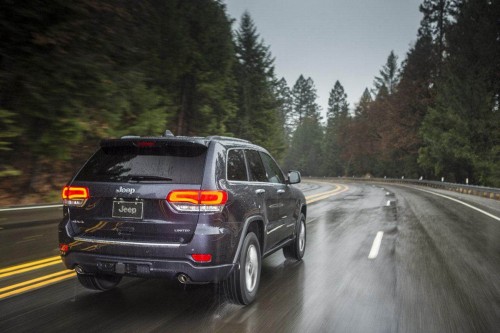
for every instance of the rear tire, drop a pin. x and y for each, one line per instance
(242, 284)
(297, 248)
(99, 282)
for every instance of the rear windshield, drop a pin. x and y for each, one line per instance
(174, 164)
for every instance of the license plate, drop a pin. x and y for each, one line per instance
(128, 209)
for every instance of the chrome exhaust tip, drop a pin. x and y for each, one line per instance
(79, 269)
(183, 278)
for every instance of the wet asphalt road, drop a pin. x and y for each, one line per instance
(437, 270)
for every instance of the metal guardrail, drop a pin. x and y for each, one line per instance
(30, 207)
(16, 216)
(485, 192)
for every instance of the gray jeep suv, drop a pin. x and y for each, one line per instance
(196, 209)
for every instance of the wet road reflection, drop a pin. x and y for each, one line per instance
(424, 279)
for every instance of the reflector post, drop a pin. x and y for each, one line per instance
(63, 248)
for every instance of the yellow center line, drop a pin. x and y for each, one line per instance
(324, 193)
(321, 196)
(32, 263)
(32, 268)
(38, 285)
(25, 283)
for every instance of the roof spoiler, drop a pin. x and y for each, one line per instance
(149, 142)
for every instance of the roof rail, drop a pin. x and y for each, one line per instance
(225, 138)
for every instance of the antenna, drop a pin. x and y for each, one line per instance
(168, 133)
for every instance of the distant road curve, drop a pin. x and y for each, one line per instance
(485, 192)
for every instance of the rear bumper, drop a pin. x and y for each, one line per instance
(146, 268)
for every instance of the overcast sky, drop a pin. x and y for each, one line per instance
(329, 40)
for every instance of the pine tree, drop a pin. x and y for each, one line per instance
(337, 103)
(285, 107)
(361, 109)
(304, 101)
(337, 120)
(462, 131)
(258, 117)
(405, 112)
(298, 113)
(190, 59)
(386, 83)
(305, 150)
(361, 151)
(439, 15)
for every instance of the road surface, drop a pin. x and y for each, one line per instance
(379, 258)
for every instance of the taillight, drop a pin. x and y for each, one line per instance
(213, 197)
(202, 257)
(63, 249)
(178, 196)
(75, 195)
(197, 201)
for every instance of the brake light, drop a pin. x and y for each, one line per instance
(145, 144)
(213, 197)
(197, 201)
(202, 257)
(75, 195)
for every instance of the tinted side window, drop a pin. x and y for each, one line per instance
(274, 174)
(256, 167)
(236, 168)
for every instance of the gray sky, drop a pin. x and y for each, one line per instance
(329, 40)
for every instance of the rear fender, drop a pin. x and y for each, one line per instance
(257, 219)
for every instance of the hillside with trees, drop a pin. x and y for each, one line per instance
(434, 115)
(74, 72)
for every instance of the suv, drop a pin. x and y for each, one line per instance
(196, 209)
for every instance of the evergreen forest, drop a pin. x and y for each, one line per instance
(74, 72)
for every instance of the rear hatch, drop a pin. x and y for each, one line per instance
(128, 182)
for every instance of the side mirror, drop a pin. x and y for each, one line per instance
(293, 177)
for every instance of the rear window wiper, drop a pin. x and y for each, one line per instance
(139, 178)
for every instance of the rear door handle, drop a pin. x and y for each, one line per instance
(260, 191)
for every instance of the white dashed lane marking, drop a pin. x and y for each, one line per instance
(376, 245)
